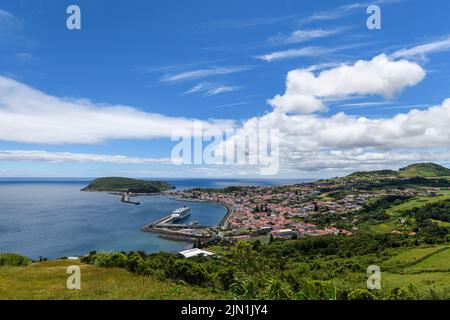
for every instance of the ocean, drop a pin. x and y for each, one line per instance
(52, 218)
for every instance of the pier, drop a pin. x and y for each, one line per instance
(183, 232)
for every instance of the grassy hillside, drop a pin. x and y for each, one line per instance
(424, 170)
(47, 280)
(374, 174)
(117, 184)
(425, 268)
(421, 272)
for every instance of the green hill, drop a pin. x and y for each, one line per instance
(47, 280)
(424, 170)
(374, 174)
(117, 184)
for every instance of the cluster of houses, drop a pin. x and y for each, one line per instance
(279, 211)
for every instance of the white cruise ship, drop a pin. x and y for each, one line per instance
(181, 213)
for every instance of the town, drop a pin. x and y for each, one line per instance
(300, 210)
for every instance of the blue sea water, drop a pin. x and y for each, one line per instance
(53, 218)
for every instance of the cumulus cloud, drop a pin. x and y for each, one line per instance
(311, 142)
(379, 76)
(31, 116)
(339, 142)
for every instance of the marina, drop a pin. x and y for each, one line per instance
(192, 231)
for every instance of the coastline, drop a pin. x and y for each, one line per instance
(225, 218)
(118, 193)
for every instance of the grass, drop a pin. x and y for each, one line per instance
(411, 256)
(397, 211)
(439, 261)
(47, 280)
(424, 268)
(391, 225)
(418, 202)
(442, 223)
(384, 227)
(426, 280)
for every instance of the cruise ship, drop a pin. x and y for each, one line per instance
(181, 213)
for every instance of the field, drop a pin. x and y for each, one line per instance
(47, 280)
(418, 202)
(437, 262)
(425, 268)
(397, 212)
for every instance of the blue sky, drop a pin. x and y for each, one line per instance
(169, 62)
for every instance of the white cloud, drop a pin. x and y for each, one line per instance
(203, 73)
(24, 56)
(295, 102)
(60, 157)
(31, 116)
(294, 53)
(310, 51)
(303, 35)
(9, 24)
(341, 11)
(7, 18)
(420, 51)
(343, 142)
(379, 76)
(211, 89)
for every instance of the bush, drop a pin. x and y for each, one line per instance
(226, 278)
(135, 262)
(360, 294)
(400, 294)
(13, 260)
(278, 290)
(188, 271)
(118, 260)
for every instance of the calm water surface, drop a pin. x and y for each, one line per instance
(53, 218)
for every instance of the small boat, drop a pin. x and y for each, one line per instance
(181, 213)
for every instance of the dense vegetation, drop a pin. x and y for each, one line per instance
(13, 260)
(116, 184)
(437, 211)
(311, 268)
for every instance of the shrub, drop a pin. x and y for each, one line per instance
(360, 294)
(13, 260)
(188, 271)
(134, 262)
(278, 290)
(400, 294)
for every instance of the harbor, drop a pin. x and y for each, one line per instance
(192, 231)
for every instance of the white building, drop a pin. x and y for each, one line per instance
(195, 252)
